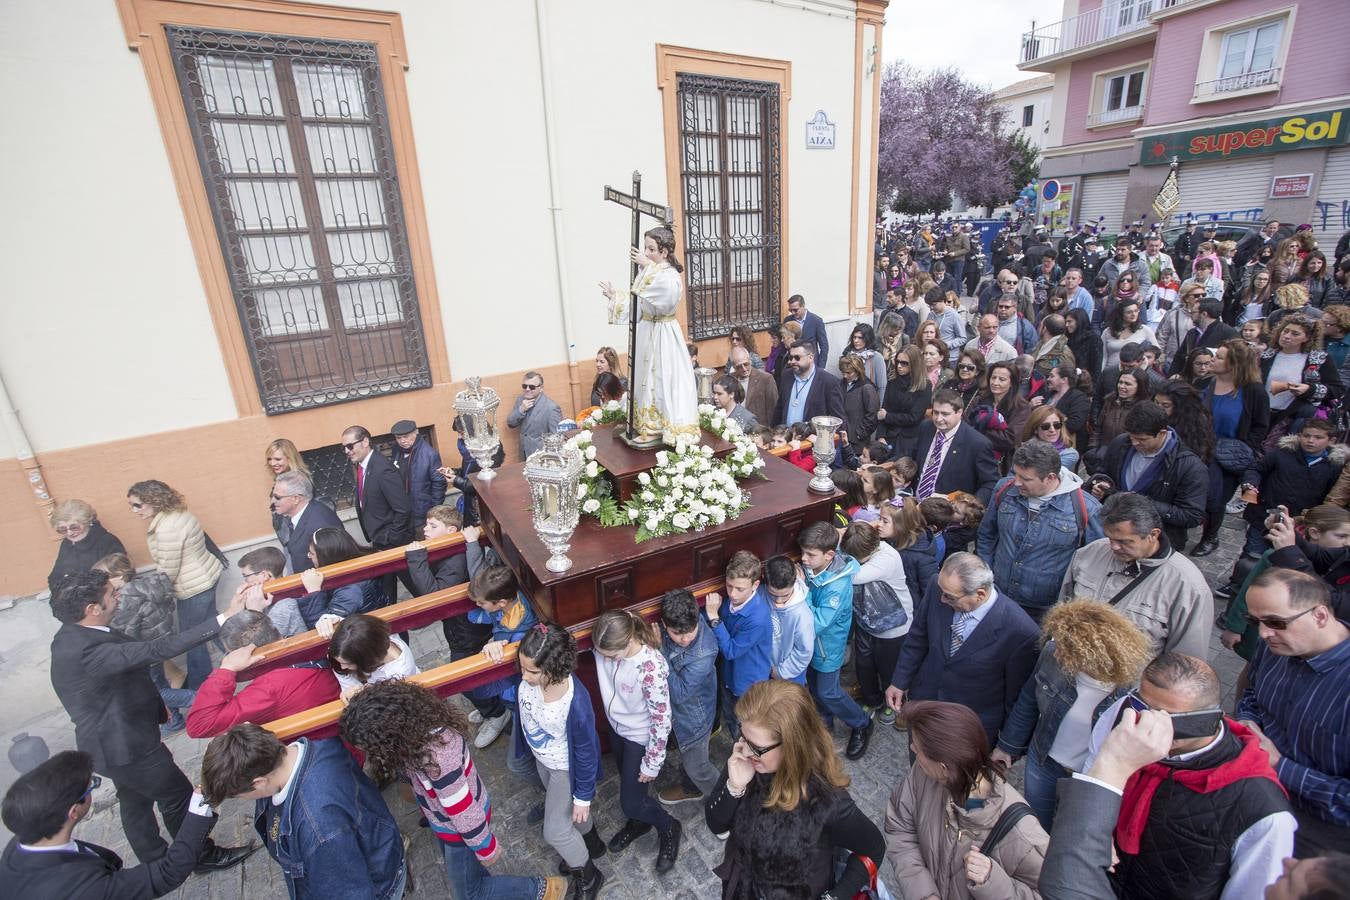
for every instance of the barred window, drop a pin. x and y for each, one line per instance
(729, 171)
(293, 141)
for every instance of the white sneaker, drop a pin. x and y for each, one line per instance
(475, 717)
(721, 835)
(491, 729)
(1236, 507)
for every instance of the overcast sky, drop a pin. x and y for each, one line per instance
(980, 37)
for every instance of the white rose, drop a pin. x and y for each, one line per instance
(680, 521)
(648, 497)
(590, 506)
(704, 409)
(706, 450)
(581, 491)
(592, 469)
(652, 523)
(632, 514)
(590, 452)
(717, 516)
(661, 480)
(583, 437)
(644, 478)
(705, 479)
(662, 457)
(612, 405)
(690, 482)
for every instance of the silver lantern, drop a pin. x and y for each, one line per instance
(554, 476)
(822, 450)
(703, 381)
(477, 409)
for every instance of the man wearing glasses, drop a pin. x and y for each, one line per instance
(761, 391)
(534, 414)
(1013, 327)
(1209, 819)
(1295, 700)
(293, 498)
(382, 506)
(43, 859)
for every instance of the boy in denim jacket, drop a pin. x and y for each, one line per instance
(690, 650)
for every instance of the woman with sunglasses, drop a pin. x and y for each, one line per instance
(905, 404)
(783, 802)
(178, 547)
(1047, 424)
(969, 374)
(1176, 322)
(1069, 390)
(940, 816)
(84, 541)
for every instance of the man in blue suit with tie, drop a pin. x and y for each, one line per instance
(969, 644)
(813, 326)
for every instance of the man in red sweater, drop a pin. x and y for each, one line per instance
(273, 695)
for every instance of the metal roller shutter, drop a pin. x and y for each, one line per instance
(1231, 190)
(1331, 215)
(1103, 195)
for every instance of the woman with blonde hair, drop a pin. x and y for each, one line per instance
(783, 801)
(941, 818)
(83, 541)
(1046, 423)
(283, 456)
(1092, 655)
(1292, 298)
(1298, 374)
(178, 547)
(787, 334)
(606, 363)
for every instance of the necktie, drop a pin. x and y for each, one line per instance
(930, 469)
(958, 632)
(360, 485)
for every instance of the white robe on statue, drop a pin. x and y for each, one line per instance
(665, 401)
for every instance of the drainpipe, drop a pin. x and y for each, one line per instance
(32, 469)
(555, 203)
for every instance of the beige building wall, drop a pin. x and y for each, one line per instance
(108, 345)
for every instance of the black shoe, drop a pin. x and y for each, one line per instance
(858, 740)
(535, 814)
(586, 882)
(669, 848)
(595, 845)
(627, 834)
(215, 857)
(1205, 547)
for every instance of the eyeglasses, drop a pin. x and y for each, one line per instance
(1276, 623)
(760, 752)
(348, 447)
(1048, 426)
(965, 367)
(94, 782)
(530, 387)
(1002, 281)
(283, 496)
(952, 600)
(72, 528)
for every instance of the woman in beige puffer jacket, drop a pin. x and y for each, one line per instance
(177, 545)
(940, 816)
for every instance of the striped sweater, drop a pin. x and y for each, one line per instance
(455, 801)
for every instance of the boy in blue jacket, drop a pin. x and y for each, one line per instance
(794, 628)
(829, 584)
(503, 605)
(743, 630)
(690, 650)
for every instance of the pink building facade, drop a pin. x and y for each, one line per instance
(1251, 97)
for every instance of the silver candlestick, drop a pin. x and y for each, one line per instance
(703, 382)
(477, 409)
(554, 476)
(822, 450)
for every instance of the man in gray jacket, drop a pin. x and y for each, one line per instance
(1123, 261)
(534, 414)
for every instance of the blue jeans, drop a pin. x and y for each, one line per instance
(469, 880)
(1039, 787)
(1255, 544)
(635, 796)
(192, 612)
(832, 701)
(729, 719)
(957, 269)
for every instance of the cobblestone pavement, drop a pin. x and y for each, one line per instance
(524, 852)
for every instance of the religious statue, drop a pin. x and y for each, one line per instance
(664, 401)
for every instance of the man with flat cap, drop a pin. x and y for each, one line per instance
(419, 464)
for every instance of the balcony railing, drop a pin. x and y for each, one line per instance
(1207, 90)
(1112, 19)
(1115, 116)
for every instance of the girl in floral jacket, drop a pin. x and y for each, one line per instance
(636, 695)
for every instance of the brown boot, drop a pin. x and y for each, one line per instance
(555, 888)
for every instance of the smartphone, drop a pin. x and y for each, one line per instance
(1198, 723)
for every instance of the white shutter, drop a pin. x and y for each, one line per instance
(1331, 216)
(1227, 190)
(1103, 195)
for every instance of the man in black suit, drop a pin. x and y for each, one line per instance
(813, 326)
(43, 859)
(969, 644)
(382, 505)
(953, 456)
(293, 498)
(1251, 244)
(807, 390)
(1209, 331)
(103, 680)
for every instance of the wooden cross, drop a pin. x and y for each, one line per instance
(665, 215)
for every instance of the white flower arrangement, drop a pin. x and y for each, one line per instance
(744, 461)
(607, 412)
(593, 487)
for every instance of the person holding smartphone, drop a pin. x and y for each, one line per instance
(1208, 821)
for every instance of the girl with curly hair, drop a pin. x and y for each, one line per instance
(407, 732)
(558, 724)
(1299, 375)
(1092, 655)
(785, 805)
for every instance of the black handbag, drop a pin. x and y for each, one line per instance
(1234, 456)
